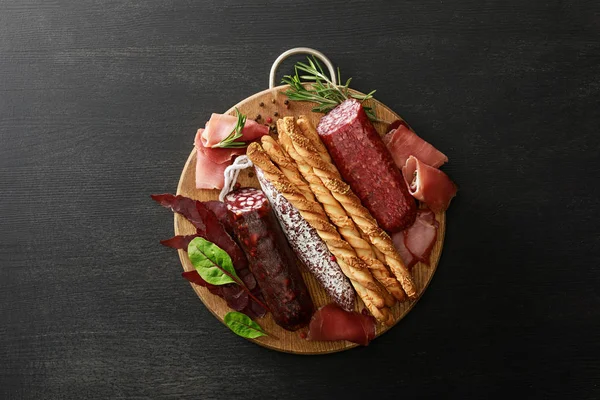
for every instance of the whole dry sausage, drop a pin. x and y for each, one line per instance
(271, 259)
(367, 166)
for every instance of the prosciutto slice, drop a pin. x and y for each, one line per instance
(216, 155)
(209, 175)
(211, 161)
(428, 184)
(331, 322)
(415, 243)
(402, 143)
(420, 237)
(219, 126)
(405, 254)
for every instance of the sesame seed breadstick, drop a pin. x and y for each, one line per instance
(320, 161)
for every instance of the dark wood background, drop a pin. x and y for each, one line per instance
(99, 103)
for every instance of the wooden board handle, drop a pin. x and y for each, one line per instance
(301, 50)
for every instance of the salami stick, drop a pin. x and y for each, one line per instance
(288, 132)
(309, 247)
(331, 179)
(311, 211)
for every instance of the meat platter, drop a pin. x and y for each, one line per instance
(271, 107)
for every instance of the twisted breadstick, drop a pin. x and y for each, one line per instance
(320, 161)
(287, 132)
(313, 213)
(286, 165)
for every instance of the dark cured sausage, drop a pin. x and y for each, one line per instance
(271, 259)
(367, 166)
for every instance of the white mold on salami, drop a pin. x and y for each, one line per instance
(309, 247)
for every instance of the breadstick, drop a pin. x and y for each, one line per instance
(287, 131)
(331, 179)
(313, 213)
(286, 165)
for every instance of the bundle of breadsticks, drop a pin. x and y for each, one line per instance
(300, 167)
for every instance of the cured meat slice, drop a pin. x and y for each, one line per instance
(420, 237)
(308, 246)
(428, 184)
(405, 254)
(219, 126)
(331, 322)
(367, 166)
(220, 210)
(271, 259)
(402, 143)
(216, 155)
(206, 224)
(209, 175)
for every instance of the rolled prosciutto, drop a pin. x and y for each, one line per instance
(403, 143)
(219, 126)
(428, 184)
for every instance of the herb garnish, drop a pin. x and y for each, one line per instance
(230, 141)
(322, 90)
(242, 325)
(214, 265)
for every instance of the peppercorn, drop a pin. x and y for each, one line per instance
(276, 114)
(261, 104)
(257, 117)
(286, 102)
(273, 101)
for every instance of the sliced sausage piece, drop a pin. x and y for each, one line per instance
(271, 259)
(367, 166)
(309, 247)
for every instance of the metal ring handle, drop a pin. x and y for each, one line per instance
(301, 50)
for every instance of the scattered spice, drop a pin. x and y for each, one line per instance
(286, 102)
(269, 120)
(273, 101)
(257, 117)
(261, 104)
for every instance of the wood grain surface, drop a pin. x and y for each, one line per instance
(272, 101)
(99, 104)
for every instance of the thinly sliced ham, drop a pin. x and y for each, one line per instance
(420, 237)
(221, 125)
(209, 175)
(428, 184)
(211, 161)
(216, 155)
(405, 254)
(403, 143)
(331, 322)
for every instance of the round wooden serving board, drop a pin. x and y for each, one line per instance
(282, 340)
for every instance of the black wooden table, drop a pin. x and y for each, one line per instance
(99, 103)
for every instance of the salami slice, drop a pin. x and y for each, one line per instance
(309, 247)
(271, 259)
(367, 166)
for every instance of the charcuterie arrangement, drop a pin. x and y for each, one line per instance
(325, 214)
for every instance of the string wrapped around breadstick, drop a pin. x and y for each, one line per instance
(338, 215)
(312, 212)
(310, 147)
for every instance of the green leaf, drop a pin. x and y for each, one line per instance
(242, 325)
(236, 133)
(212, 263)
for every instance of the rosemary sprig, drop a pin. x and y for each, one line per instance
(230, 141)
(321, 89)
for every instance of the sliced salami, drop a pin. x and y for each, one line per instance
(271, 259)
(309, 247)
